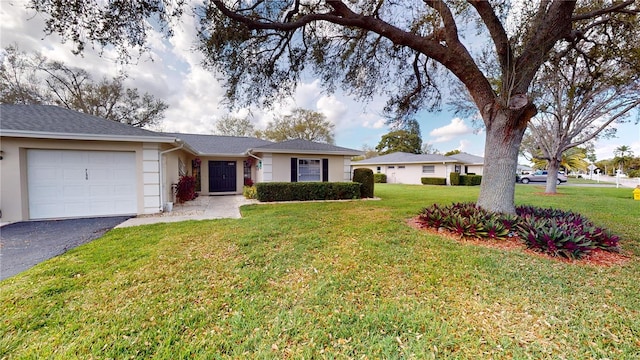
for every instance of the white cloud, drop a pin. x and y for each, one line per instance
(335, 110)
(455, 128)
(373, 123)
(464, 145)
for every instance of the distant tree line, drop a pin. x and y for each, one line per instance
(299, 124)
(30, 78)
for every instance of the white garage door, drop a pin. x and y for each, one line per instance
(66, 183)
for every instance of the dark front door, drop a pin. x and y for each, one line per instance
(222, 176)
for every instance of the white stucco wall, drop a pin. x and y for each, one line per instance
(475, 169)
(277, 167)
(407, 173)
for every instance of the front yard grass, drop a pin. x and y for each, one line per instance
(329, 280)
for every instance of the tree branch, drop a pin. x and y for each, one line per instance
(619, 8)
(549, 26)
(497, 32)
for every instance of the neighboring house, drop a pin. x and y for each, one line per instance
(60, 163)
(406, 168)
(470, 164)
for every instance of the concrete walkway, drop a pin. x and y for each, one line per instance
(202, 208)
(623, 182)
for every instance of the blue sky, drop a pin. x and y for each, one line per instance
(172, 72)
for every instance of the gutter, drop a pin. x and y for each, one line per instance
(162, 184)
(248, 153)
(78, 136)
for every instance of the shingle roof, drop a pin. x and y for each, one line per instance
(220, 145)
(404, 158)
(468, 158)
(305, 146)
(49, 121)
(407, 158)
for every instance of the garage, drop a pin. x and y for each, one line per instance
(71, 183)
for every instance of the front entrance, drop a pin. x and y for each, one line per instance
(222, 176)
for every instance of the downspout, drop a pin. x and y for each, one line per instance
(255, 157)
(162, 174)
(446, 172)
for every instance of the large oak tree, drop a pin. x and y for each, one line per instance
(371, 47)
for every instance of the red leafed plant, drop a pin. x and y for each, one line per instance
(186, 189)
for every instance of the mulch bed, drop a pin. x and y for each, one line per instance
(596, 258)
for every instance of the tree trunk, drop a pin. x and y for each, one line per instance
(503, 139)
(552, 176)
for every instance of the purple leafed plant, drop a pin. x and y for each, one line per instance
(552, 231)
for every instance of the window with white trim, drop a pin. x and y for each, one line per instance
(309, 170)
(428, 169)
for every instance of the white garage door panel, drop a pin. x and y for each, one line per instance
(65, 183)
(74, 191)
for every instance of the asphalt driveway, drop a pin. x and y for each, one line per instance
(25, 244)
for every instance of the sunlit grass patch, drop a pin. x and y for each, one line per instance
(327, 280)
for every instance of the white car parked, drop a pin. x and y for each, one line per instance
(541, 176)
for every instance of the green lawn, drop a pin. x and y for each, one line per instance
(329, 280)
(573, 180)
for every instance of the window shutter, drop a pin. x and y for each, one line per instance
(325, 170)
(294, 169)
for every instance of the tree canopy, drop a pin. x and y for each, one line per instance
(405, 137)
(300, 124)
(235, 126)
(32, 79)
(579, 100)
(399, 49)
(623, 154)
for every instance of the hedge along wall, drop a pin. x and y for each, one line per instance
(304, 191)
(454, 179)
(470, 180)
(380, 178)
(433, 181)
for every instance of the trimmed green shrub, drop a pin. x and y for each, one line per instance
(365, 177)
(433, 181)
(380, 178)
(454, 178)
(304, 191)
(470, 180)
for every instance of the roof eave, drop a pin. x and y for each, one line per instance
(236, 155)
(77, 136)
(310, 152)
(402, 162)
